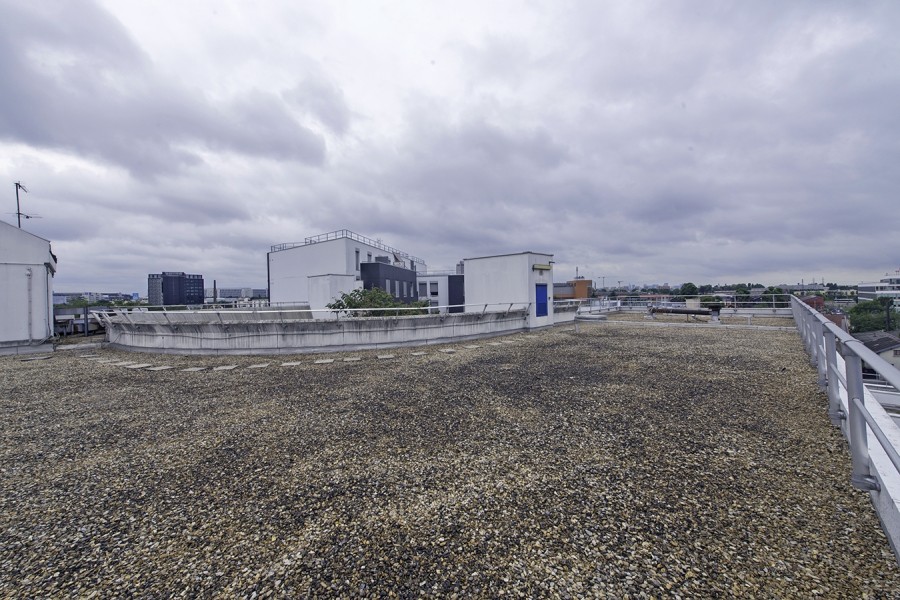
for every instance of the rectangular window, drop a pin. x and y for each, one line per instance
(897, 352)
(397, 289)
(387, 285)
(434, 288)
(368, 257)
(423, 289)
(405, 289)
(357, 259)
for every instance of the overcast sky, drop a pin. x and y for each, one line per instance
(644, 142)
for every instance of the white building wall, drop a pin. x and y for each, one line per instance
(26, 287)
(325, 289)
(509, 279)
(443, 295)
(892, 356)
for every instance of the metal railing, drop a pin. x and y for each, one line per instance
(184, 315)
(346, 233)
(838, 358)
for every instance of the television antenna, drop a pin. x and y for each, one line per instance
(19, 213)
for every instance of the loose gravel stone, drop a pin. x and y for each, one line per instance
(619, 462)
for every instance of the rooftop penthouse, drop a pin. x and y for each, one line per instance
(622, 459)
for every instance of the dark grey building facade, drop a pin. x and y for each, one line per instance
(168, 288)
(397, 281)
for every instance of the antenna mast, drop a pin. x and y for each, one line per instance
(19, 210)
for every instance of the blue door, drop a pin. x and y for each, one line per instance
(540, 303)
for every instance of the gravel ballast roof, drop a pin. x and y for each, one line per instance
(618, 461)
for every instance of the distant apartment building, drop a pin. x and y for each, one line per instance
(340, 254)
(888, 287)
(168, 288)
(576, 289)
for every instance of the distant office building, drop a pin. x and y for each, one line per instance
(228, 293)
(889, 287)
(89, 297)
(167, 288)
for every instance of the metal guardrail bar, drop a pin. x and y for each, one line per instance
(504, 307)
(879, 434)
(817, 333)
(345, 233)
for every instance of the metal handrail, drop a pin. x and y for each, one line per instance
(502, 307)
(820, 337)
(345, 233)
(879, 434)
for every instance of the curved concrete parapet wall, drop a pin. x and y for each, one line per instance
(206, 333)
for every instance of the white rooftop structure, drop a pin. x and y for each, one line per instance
(336, 253)
(27, 267)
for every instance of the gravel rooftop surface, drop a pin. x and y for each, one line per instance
(622, 461)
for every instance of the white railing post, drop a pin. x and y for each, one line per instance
(861, 477)
(832, 381)
(819, 350)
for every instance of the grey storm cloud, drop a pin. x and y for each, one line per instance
(73, 79)
(644, 141)
(323, 100)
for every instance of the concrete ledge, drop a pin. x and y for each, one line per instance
(17, 348)
(267, 337)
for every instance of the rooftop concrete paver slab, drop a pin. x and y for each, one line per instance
(352, 359)
(447, 350)
(291, 364)
(139, 366)
(193, 369)
(385, 356)
(618, 462)
(34, 358)
(258, 366)
(225, 368)
(160, 368)
(121, 363)
(324, 361)
(418, 353)
(472, 346)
